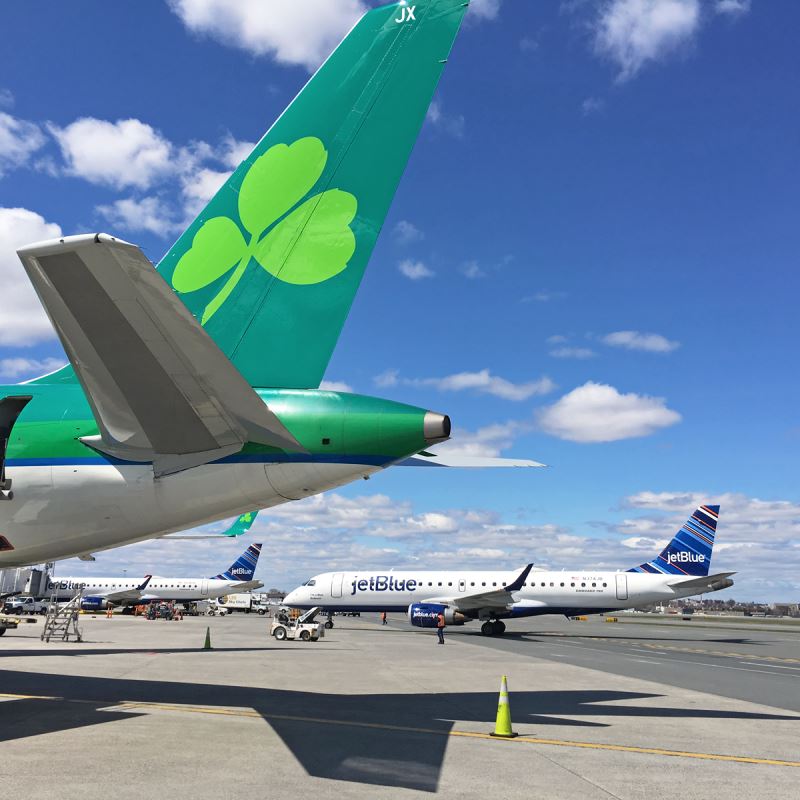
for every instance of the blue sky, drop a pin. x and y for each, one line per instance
(591, 261)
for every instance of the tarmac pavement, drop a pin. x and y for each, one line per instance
(139, 710)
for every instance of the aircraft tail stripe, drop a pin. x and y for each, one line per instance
(689, 551)
(244, 567)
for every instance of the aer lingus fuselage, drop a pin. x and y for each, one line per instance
(69, 499)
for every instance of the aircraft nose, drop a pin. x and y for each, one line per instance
(290, 598)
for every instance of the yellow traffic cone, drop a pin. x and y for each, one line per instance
(207, 645)
(502, 726)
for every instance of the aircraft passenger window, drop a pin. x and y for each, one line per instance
(583, 584)
(573, 585)
(449, 583)
(561, 584)
(604, 585)
(473, 583)
(440, 583)
(494, 584)
(551, 583)
(483, 584)
(429, 583)
(542, 583)
(593, 585)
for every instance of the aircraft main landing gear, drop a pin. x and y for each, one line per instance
(493, 628)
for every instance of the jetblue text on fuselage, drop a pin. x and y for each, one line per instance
(383, 583)
(683, 557)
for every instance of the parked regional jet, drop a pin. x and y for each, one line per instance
(99, 593)
(191, 394)
(680, 570)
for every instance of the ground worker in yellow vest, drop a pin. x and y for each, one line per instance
(440, 626)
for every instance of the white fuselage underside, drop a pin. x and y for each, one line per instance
(61, 511)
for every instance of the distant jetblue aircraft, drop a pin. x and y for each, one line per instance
(100, 593)
(191, 394)
(680, 570)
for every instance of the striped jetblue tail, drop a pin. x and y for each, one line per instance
(243, 568)
(689, 553)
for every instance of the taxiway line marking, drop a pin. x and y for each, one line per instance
(244, 712)
(622, 748)
(698, 650)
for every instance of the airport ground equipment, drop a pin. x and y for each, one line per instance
(303, 628)
(25, 605)
(61, 621)
(8, 622)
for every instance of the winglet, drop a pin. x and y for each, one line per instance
(517, 584)
(143, 585)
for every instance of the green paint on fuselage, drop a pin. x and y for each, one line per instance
(329, 425)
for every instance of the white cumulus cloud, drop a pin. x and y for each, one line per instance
(406, 232)
(732, 8)
(18, 367)
(484, 382)
(634, 32)
(146, 214)
(484, 9)
(290, 32)
(22, 318)
(572, 352)
(487, 442)
(126, 153)
(335, 386)
(597, 412)
(414, 270)
(634, 340)
(18, 140)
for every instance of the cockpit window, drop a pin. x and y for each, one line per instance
(311, 582)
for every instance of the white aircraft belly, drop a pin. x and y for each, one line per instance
(62, 511)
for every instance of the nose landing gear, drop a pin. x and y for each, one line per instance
(494, 627)
(329, 621)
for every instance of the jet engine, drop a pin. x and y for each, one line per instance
(425, 615)
(94, 604)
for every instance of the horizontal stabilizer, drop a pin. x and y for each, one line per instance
(161, 390)
(428, 459)
(713, 582)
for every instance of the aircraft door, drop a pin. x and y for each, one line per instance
(204, 588)
(462, 585)
(336, 584)
(622, 586)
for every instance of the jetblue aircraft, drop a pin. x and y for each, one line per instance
(100, 593)
(680, 570)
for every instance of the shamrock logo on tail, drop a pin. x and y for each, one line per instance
(299, 244)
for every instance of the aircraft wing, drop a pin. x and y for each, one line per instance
(128, 595)
(712, 582)
(497, 598)
(429, 459)
(160, 389)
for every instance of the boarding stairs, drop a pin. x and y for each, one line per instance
(61, 621)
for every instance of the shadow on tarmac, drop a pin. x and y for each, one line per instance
(369, 755)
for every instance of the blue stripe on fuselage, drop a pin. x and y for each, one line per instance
(247, 458)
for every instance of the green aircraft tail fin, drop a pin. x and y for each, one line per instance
(272, 264)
